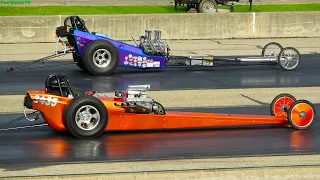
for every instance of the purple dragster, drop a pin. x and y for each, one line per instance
(129, 55)
(100, 55)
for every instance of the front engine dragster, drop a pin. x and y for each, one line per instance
(100, 55)
(89, 114)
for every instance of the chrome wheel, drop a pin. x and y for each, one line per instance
(272, 50)
(102, 58)
(289, 58)
(87, 117)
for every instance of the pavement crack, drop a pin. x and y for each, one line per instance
(254, 100)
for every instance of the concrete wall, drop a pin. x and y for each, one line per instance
(27, 29)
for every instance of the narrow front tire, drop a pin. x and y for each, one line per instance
(301, 114)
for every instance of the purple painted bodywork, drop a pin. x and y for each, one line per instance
(129, 55)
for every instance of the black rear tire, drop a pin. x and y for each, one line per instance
(79, 62)
(97, 47)
(77, 103)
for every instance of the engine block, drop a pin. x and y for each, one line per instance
(155, 46)
(135, 100)
(138, 93)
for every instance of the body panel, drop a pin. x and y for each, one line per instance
(52, 108)
(181, 120)
(129, 55)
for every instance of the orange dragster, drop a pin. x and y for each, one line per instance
(88, 114)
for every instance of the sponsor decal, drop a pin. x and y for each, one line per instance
(140, 61)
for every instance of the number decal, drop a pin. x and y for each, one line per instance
(49, 99)
(45, 101)
(42, 100)
(36, 99)
(54, 102)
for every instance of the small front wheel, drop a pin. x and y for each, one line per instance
(301, 114)
(281, 103)
(289, 59)
(271, 50)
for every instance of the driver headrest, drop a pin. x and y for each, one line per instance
(57, 80)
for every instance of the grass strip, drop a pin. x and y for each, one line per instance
(99, 10)
(85, 10)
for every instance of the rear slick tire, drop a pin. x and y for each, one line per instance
(101, 58)
(85, 117)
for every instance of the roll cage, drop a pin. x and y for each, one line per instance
(70, 46)
(70, 24)
(63, 84)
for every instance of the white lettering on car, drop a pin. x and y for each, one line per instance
(48, 101)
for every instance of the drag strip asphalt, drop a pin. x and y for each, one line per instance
(41, 146)
(259, 76)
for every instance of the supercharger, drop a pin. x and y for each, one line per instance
(153, 46)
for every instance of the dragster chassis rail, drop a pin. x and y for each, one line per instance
(287, 58)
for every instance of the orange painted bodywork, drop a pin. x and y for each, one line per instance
(119, 120)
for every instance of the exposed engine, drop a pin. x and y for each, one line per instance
(135, 100)
(155, 46)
